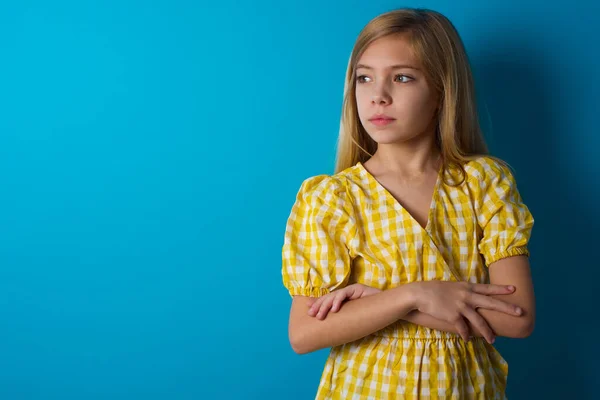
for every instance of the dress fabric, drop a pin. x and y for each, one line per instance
(347, 228)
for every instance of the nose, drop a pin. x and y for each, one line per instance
(381, 97)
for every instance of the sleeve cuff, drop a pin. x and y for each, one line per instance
(514, 251)
(308, 292)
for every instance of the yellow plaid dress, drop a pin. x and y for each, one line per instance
(347, 228)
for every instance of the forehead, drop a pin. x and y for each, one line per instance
(389, 50)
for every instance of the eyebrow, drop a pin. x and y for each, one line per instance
(396, 66)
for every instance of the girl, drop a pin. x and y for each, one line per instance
(419, 228)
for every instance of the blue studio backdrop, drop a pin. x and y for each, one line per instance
(150, 155)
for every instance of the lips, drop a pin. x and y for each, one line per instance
(380, 117)
(382, 121)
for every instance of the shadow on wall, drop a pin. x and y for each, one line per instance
(523, 128)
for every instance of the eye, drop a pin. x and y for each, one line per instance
(404, 76)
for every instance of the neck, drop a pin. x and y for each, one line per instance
(409, 158)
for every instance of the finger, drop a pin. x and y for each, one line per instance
(491, 289)
(337, 295)
(354, 292)
(479, 323)
(325, 307)
(491, 303)
(462, 328)
(312, 311)
(337, 302)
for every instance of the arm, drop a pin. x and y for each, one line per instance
(513, 271)
(506, 224)
(357, 319)
(454, 302)
(418, 318)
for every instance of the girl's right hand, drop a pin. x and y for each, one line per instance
(320, 307)
(454, 301)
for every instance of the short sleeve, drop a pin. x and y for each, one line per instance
(506, 222)
(316, 257)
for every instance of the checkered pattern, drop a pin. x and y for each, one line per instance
(348, 228)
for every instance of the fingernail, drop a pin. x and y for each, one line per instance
(511, 288)
(518, 310)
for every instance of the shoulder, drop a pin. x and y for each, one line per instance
(488, 170)
(323, 188)
(325, 198)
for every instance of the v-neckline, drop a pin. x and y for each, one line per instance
(399, 206)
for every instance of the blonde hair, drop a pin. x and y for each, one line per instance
(442, 55)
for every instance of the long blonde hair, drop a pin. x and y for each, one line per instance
(442, 55)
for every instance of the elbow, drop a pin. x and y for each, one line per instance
(298, 346)
(524, 328)
(527, 329)
(299, 343)
(298, 349)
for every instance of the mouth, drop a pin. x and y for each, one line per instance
(382, 121)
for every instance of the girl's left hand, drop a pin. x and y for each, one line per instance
(333, 301)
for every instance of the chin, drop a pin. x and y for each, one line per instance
(383, 137)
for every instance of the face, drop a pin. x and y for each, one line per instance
(389, 81)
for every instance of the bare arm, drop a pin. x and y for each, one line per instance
(426, 320)
(513, 271)
(356, 320)
(418, 318)
(454, 302)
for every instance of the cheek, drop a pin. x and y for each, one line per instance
(414, 103)
(363, 103)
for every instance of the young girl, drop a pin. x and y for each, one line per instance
(412, 257)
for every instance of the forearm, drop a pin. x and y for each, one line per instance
(357, 319)
(502, 324)
(509, 325)
(512, 271)
(426, 320)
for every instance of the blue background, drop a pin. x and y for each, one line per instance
(150, 154)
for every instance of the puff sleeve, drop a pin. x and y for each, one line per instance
(315, 256)
(506, 222)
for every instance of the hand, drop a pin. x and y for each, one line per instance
(333, 301)
(454, 301)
